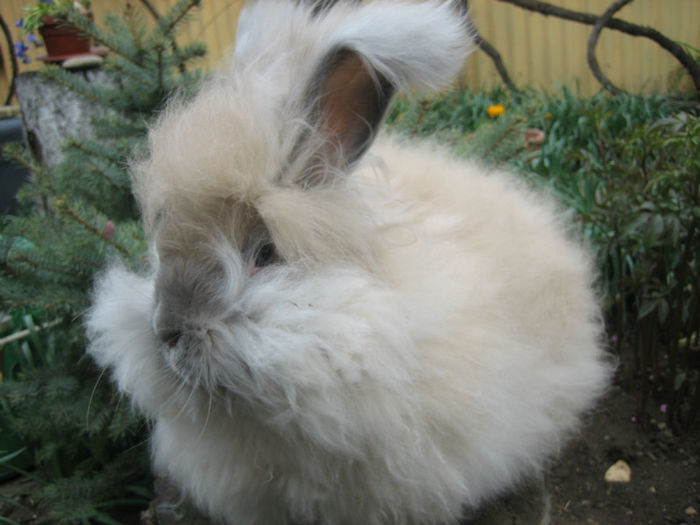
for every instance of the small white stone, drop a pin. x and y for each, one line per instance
(619, 472)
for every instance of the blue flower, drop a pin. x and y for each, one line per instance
(20, 22)
(31, 37)
(20, 49)
(21, 52)
(46, 1)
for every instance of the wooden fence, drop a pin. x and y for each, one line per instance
(538, 51)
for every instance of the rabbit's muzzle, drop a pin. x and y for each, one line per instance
(188, 347)
(192, 301)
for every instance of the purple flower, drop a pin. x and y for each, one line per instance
(664, 408)
(21, 49)
(31, 37)
(20, 22)
(46, 1)
(21, 52)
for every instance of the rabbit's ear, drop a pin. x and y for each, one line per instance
(348, 101)
(375, 50)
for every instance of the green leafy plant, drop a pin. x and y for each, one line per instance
(646, 222)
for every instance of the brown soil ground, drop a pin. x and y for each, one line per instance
(665, 482)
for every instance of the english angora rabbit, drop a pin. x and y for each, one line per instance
(333, 334)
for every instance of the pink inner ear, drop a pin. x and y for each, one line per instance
(350, 107)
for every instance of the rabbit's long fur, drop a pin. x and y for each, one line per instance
(425, 334)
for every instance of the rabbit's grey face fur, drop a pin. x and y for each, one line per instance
(197, 289)
(193, 306)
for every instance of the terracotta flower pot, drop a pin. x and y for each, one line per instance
(63, 40)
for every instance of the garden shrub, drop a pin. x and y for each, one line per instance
(644, 221)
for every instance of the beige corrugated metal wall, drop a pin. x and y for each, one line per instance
(544, 51)
(538, 51)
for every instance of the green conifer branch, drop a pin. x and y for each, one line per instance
(189, 52)
(134, 71)
(127, 72)
(134, 22)
(175, 16)
(119, 128)
(117, 178)
(75, 84)
(84, 262)
(159, 48)
(70, 212)
(93, 149)
(39, 266)
(115, 46)
(18, 154)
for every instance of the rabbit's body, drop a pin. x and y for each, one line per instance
(406, 341)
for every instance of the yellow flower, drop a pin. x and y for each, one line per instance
(496, 110)
(548, 115)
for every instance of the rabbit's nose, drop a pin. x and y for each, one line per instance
(169, 337)
(166, 327)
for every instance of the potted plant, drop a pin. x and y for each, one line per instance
(50, 19)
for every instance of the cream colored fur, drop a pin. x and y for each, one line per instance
(427, 339)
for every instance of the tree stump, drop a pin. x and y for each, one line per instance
(52, 112)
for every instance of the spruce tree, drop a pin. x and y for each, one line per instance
(88, 447)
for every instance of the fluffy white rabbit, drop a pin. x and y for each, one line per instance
(333, 335)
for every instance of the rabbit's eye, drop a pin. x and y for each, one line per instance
(265, 255)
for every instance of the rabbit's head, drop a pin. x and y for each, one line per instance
(248, 187)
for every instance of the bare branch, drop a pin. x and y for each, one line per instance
(691, 66)
(493, 54)
(593, 41)
(149, 7)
